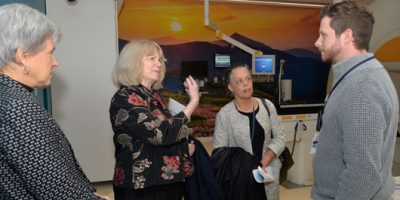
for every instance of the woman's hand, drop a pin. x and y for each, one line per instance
(267, 158)
(192, 90)
(192, 148)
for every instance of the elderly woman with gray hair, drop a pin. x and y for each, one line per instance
(36, 159)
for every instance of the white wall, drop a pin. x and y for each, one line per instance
(82, 87)
(387, 27)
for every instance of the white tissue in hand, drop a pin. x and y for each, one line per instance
(262, 177)
(175, 107)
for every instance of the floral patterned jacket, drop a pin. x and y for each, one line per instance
(150, 144)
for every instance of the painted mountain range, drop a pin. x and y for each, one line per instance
(308, 73)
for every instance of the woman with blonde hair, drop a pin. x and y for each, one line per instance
(151, 146)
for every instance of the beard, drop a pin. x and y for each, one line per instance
(331, 53)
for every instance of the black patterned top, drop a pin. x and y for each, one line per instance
(150, 144)
(36, 159)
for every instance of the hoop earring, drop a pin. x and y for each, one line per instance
(25, 69)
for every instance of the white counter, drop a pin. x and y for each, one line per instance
(396, 194)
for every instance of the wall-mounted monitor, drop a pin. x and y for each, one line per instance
(263, 65)
(222, 60)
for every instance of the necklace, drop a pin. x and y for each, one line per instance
(245, 110)
(253, 118)
(253, 123)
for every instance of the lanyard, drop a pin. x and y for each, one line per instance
(253, 121)
(344, 75)
(254, 125)
(319, 121)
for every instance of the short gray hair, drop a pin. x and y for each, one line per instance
(25, 28)
(129, 67)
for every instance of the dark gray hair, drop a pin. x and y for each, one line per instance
(229, 71)
(25, 28)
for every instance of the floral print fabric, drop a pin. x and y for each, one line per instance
(150, 144)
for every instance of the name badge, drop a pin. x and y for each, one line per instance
(314, 143)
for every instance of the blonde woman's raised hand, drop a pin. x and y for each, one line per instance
(192, 89)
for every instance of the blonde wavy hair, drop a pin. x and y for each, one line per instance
(129, 67)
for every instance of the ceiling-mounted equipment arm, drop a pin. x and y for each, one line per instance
(223, 36)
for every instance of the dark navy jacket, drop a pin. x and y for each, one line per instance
(233, 172)
(202, 185)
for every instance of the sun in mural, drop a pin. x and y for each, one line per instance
(176, 26)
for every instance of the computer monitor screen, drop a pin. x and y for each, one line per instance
(196, 68)
(222, 60)
(263, 65)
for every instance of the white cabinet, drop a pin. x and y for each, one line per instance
(301, 171)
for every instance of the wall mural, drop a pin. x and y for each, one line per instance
(178, 26)
(389, 52)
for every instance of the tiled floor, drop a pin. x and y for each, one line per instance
(105, 188)
(296, 194)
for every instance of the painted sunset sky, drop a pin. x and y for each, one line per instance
(179, 21)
